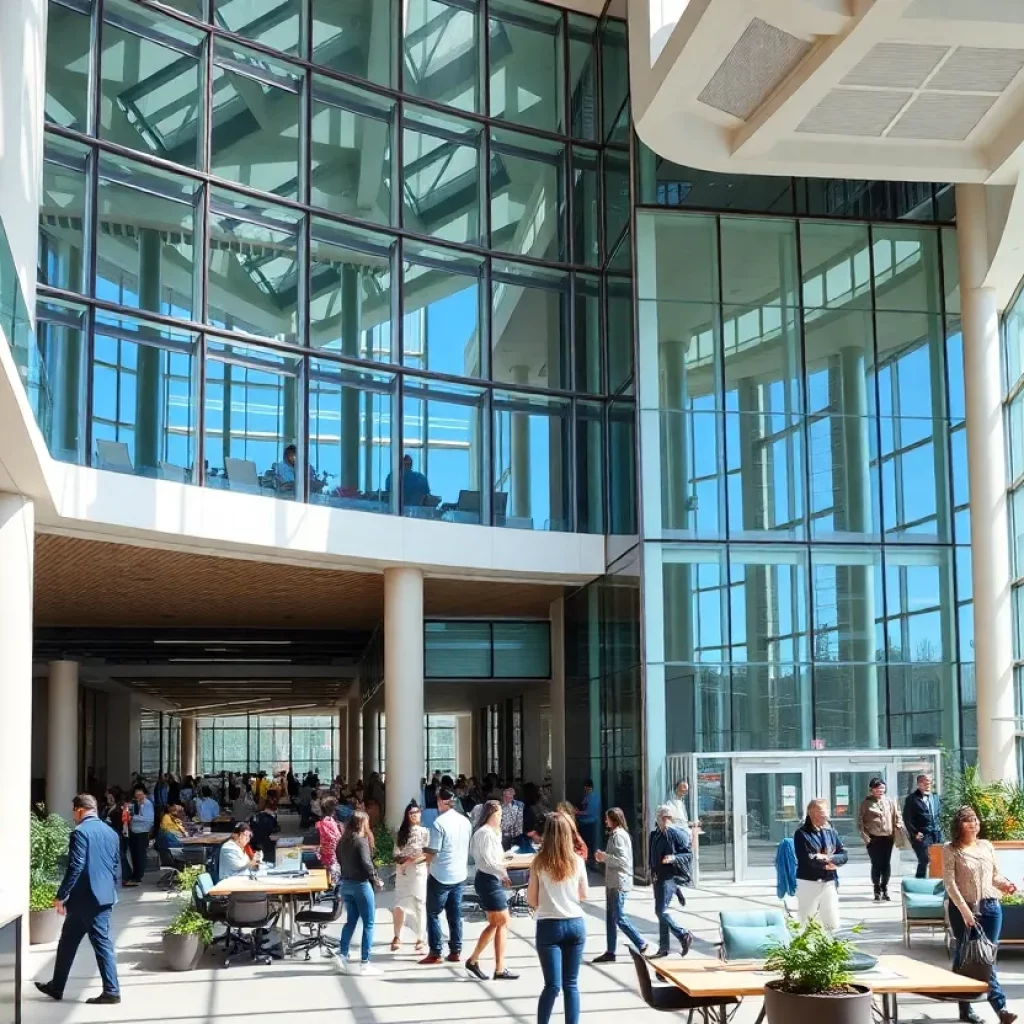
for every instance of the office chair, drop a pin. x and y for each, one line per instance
(670, 999)
(248, 912)
(213, 909)
(317, 918)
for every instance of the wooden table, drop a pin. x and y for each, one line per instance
(519, 862)
(210, 839)
(893, 976)
(284, 887)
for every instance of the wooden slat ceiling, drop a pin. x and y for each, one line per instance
(81, 582)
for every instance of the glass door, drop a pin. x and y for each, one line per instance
(843, 781)
(770, 800)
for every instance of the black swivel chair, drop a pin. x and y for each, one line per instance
(213, 908)
(317, 918)
(671, 999)
(248, 912)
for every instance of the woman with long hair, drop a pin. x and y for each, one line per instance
(411, 879)
(558, 887)
(490, 882)
(565, 808)
(973, 887)
(617, 859)
(358, 880)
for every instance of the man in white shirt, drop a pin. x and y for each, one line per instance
(207, 808)
(677, 802)
(233, 858)
(448, 855)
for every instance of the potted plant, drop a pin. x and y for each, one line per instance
(384, 852)
(189, 933)
(1013, 917)
(815, 983)
(48, 847)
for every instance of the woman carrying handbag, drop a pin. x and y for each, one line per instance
(973, 887)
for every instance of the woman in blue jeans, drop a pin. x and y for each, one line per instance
(557, 890)
(973, 887)
(358, 880)
(617, 859)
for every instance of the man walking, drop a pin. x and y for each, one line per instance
(671, 861)
(921, 820)
(448, 856)
(85, 898)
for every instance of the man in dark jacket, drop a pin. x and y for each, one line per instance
(819, 851)
(921, 820)
(671, 860)
(86, 897)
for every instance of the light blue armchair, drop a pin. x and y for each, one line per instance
(747, 934)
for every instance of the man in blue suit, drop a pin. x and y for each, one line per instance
(86, 897)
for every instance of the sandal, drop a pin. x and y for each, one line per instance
(396, 945)
(419, 947)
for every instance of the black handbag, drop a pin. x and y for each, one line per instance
(977, 956)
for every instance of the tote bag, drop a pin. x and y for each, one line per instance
(977, 956)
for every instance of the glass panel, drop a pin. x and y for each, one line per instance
(350, 415)
(441, 186)
(915, 480)
(911, 375)
(918, 605)
(256, 113)
(350, 152)
(441, 53)
(714, 808)
(62, 215)
(677, 258)
(58, 399)
(442, 452)
(840, 362)
(457, 650)
(67, 67)
(845, 791)
(768, 603)
(758, 262)
(622, 514)
(614, 75)
(589, 467)
(585, 236)
(619, 324)
(951, 270)
(522, 650)
(148, 220)
(616, 195)
(144, 405)
(850, 706)
(836, 265)
(350, 295)
(355, 37)
(771, 707)
(527, 196)
(253, 267)
(906, 268)
(531, 462)
(774, 810)
(151, 93)
(251, 421)
(692, 483)
(688, 337)
(762, 359)
(587, 339)
(529, 326)
(955, 371)
(583, 76)
(275, 23)
(843, 465)
(694, 596)
(441, 315)
(525, 51)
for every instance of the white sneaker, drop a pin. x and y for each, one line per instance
(369, 971)
(345, 964)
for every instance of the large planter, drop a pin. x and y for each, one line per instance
(182, 952)
(43, 926)
(1013, 924)
(787, 1008)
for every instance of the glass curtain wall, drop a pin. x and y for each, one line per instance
(270, 743)
(358, 254)
(804, 488)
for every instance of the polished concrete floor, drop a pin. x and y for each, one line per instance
(317, 991)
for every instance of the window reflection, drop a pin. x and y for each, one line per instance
(67, 66)
(355, 37)
(62, 205)
(440, 46)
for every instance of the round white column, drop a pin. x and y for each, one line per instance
(986, 468)
(17, 541)
(62, 738)
(371, 737)
(403, 688)
(188, 745)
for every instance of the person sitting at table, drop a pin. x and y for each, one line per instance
(243, 807)
(233, 859)
(206, 807)
(415, 486)
(264, 827)
(172, 827)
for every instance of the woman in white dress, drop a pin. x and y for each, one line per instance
(411, 879)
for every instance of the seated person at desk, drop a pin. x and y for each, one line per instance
(415, 486)
(206, 807)
(243, 807)
(284, 473)
(233, 858)
(172, 827)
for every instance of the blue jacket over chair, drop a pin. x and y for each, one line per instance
(785, 869)
(94, 866)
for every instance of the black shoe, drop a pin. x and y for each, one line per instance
(878, 895)
(658, 954)
(970, 1017)
(106, 997)
(46, 987)
(604, 958)
(505, 975)
(474, 968)
(686, 943)
(886, 897)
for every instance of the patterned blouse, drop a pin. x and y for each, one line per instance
(330, 833)
(418, 839)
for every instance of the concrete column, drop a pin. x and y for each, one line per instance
(62, 738)
(354, 751)
(17, 542)
(403, 687)
(558, 699)
(371, 746)
(986, 470)
(534, 751)
(188, 745)
(124, 755)
(464, 742)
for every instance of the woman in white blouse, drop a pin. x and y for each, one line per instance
(490, 882)
(411, 879)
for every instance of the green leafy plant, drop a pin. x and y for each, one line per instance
(188, 921)
(187, 878)
(383, 846)
(48, 844)
(999, 805)
(41, 895)
(812, 963)
(1014, 899)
